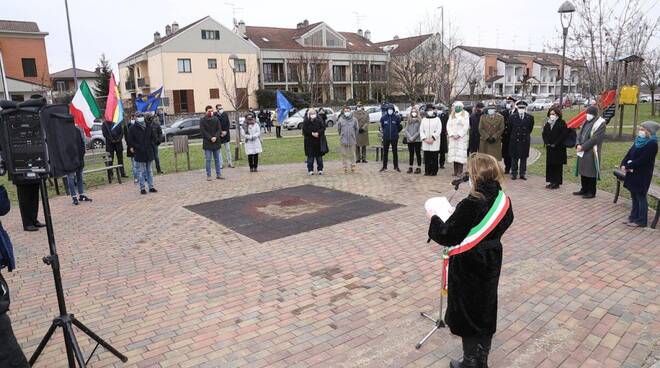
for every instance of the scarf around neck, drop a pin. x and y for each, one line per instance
(641, 142)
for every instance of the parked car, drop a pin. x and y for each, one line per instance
(375, 113)
(295, 121)
(644, 98)
(186, 126)
(97, 140)
(540, 104)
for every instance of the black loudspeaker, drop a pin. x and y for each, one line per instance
(23, 140)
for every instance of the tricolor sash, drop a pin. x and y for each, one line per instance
(477, 234)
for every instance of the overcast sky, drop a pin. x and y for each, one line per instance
(128, 25)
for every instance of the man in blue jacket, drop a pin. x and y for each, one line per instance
(11, 354)
(390, 126)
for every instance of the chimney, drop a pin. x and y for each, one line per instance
(299, 25)
(175, 27)
(240, 27)
(305, 23)
(359, 32)
(168, 30)
(156, 37)
(396, 37)
(367, 34)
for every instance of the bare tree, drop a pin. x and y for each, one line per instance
(466, 74)
(651, 75)
(312, 74)
(409, 75)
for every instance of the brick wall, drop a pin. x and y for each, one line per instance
(16, 48)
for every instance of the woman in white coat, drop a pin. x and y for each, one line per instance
(252, 136)
(458, 128)
(429, 132)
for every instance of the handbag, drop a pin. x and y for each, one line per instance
(324, 145)
(570, 140)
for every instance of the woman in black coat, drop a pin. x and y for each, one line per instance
(638, 166)
(554, 133)
(444, 144)
(316, 145)
(474, 274)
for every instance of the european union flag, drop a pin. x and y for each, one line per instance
(149, 102)
(283, 107)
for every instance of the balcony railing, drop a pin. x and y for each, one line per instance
(143, 82)
(274, 78)
(339, 77)
(130, 85)
(378, 76)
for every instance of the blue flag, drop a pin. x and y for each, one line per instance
(283, 107)
(149, 102)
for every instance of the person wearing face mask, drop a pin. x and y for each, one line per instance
(520, 137)
(638, 164)
(209, 126)
(156, 136)
(473, 144)
(554, 134)
(252, 135)
(506, 113)
(363, 134)
(458, 128)
(264, 120)
(315, 142)
(414, 141)
(390, 126)
(347, 127)
(114, 137)
(140, 143)
(588, 152)
(474, 266)
(225, 137)
(430, 130)
(444, 141)
(491, 127)
(129, 150)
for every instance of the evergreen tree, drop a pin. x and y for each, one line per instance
(102, 85)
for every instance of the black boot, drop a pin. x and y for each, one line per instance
(482, 354)
(410, 170)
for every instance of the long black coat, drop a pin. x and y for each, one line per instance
(474, 275)
(473, 145)
(210, 127)
(520, 135)
(225, 126)
(444, 144)
(554, 142)
(312, 144)
(140, 139)
(113, 137)
(642, 165)
(507, 131)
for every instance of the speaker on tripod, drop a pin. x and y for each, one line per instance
(34, 143)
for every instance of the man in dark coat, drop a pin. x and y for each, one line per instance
(506, 113)
(554, 134)
(475, 117)
(390, 126)
(265, 120)
(114, 145)
(225, 135)
(473, 275)
(140, 143)
(444, 143)
(209, 126)
(520, 136)
(156, 139)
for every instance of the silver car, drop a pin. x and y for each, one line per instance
(97, 140)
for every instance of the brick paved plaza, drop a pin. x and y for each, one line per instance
(171, 288)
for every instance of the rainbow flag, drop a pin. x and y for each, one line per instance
(114, 110)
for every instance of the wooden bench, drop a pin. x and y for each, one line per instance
(654, 192)
(379, 151)
(92, 160)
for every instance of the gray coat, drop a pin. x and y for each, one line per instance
(348, 130)
(588, 139)
(411, 132)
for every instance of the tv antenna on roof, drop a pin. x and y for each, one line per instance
(234, 9)
(358, 18)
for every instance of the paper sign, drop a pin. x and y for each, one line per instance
(440, 207)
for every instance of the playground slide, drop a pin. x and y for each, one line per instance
(606, 100)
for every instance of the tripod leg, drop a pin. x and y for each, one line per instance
(43, 343)
(419, 344)
(99, 340)
(70, 340)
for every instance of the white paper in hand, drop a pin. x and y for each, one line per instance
(579, 154)
(440, 207)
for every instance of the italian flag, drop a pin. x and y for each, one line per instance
(477, 233)
(84, 108)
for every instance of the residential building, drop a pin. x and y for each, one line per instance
(23, 60)
(501, 72)
(193, 65)
(314, 58)
(415, 64)
(63, 85)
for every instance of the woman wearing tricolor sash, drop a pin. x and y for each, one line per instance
(471, 237)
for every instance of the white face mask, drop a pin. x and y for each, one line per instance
(589, 117)
(140, 120)
(312, 116)
(221, 111)
(390, 112)
(641, 134)
(470, 182)
(491, 111)
(521, 110)
(430, 114)
(132, 121)
(413, 114)
(552, 118)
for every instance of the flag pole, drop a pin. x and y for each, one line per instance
(73, 57)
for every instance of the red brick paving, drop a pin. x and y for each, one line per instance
(173, 289)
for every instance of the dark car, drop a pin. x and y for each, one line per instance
(188, 127)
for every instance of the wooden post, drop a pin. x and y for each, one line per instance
(621, 120)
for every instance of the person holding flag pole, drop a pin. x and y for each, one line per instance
(472, 258)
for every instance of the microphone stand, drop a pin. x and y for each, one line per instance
(439, 323)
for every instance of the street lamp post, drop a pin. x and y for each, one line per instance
(440, 90)
(73, 57)
(565, 11)
(232, 64)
